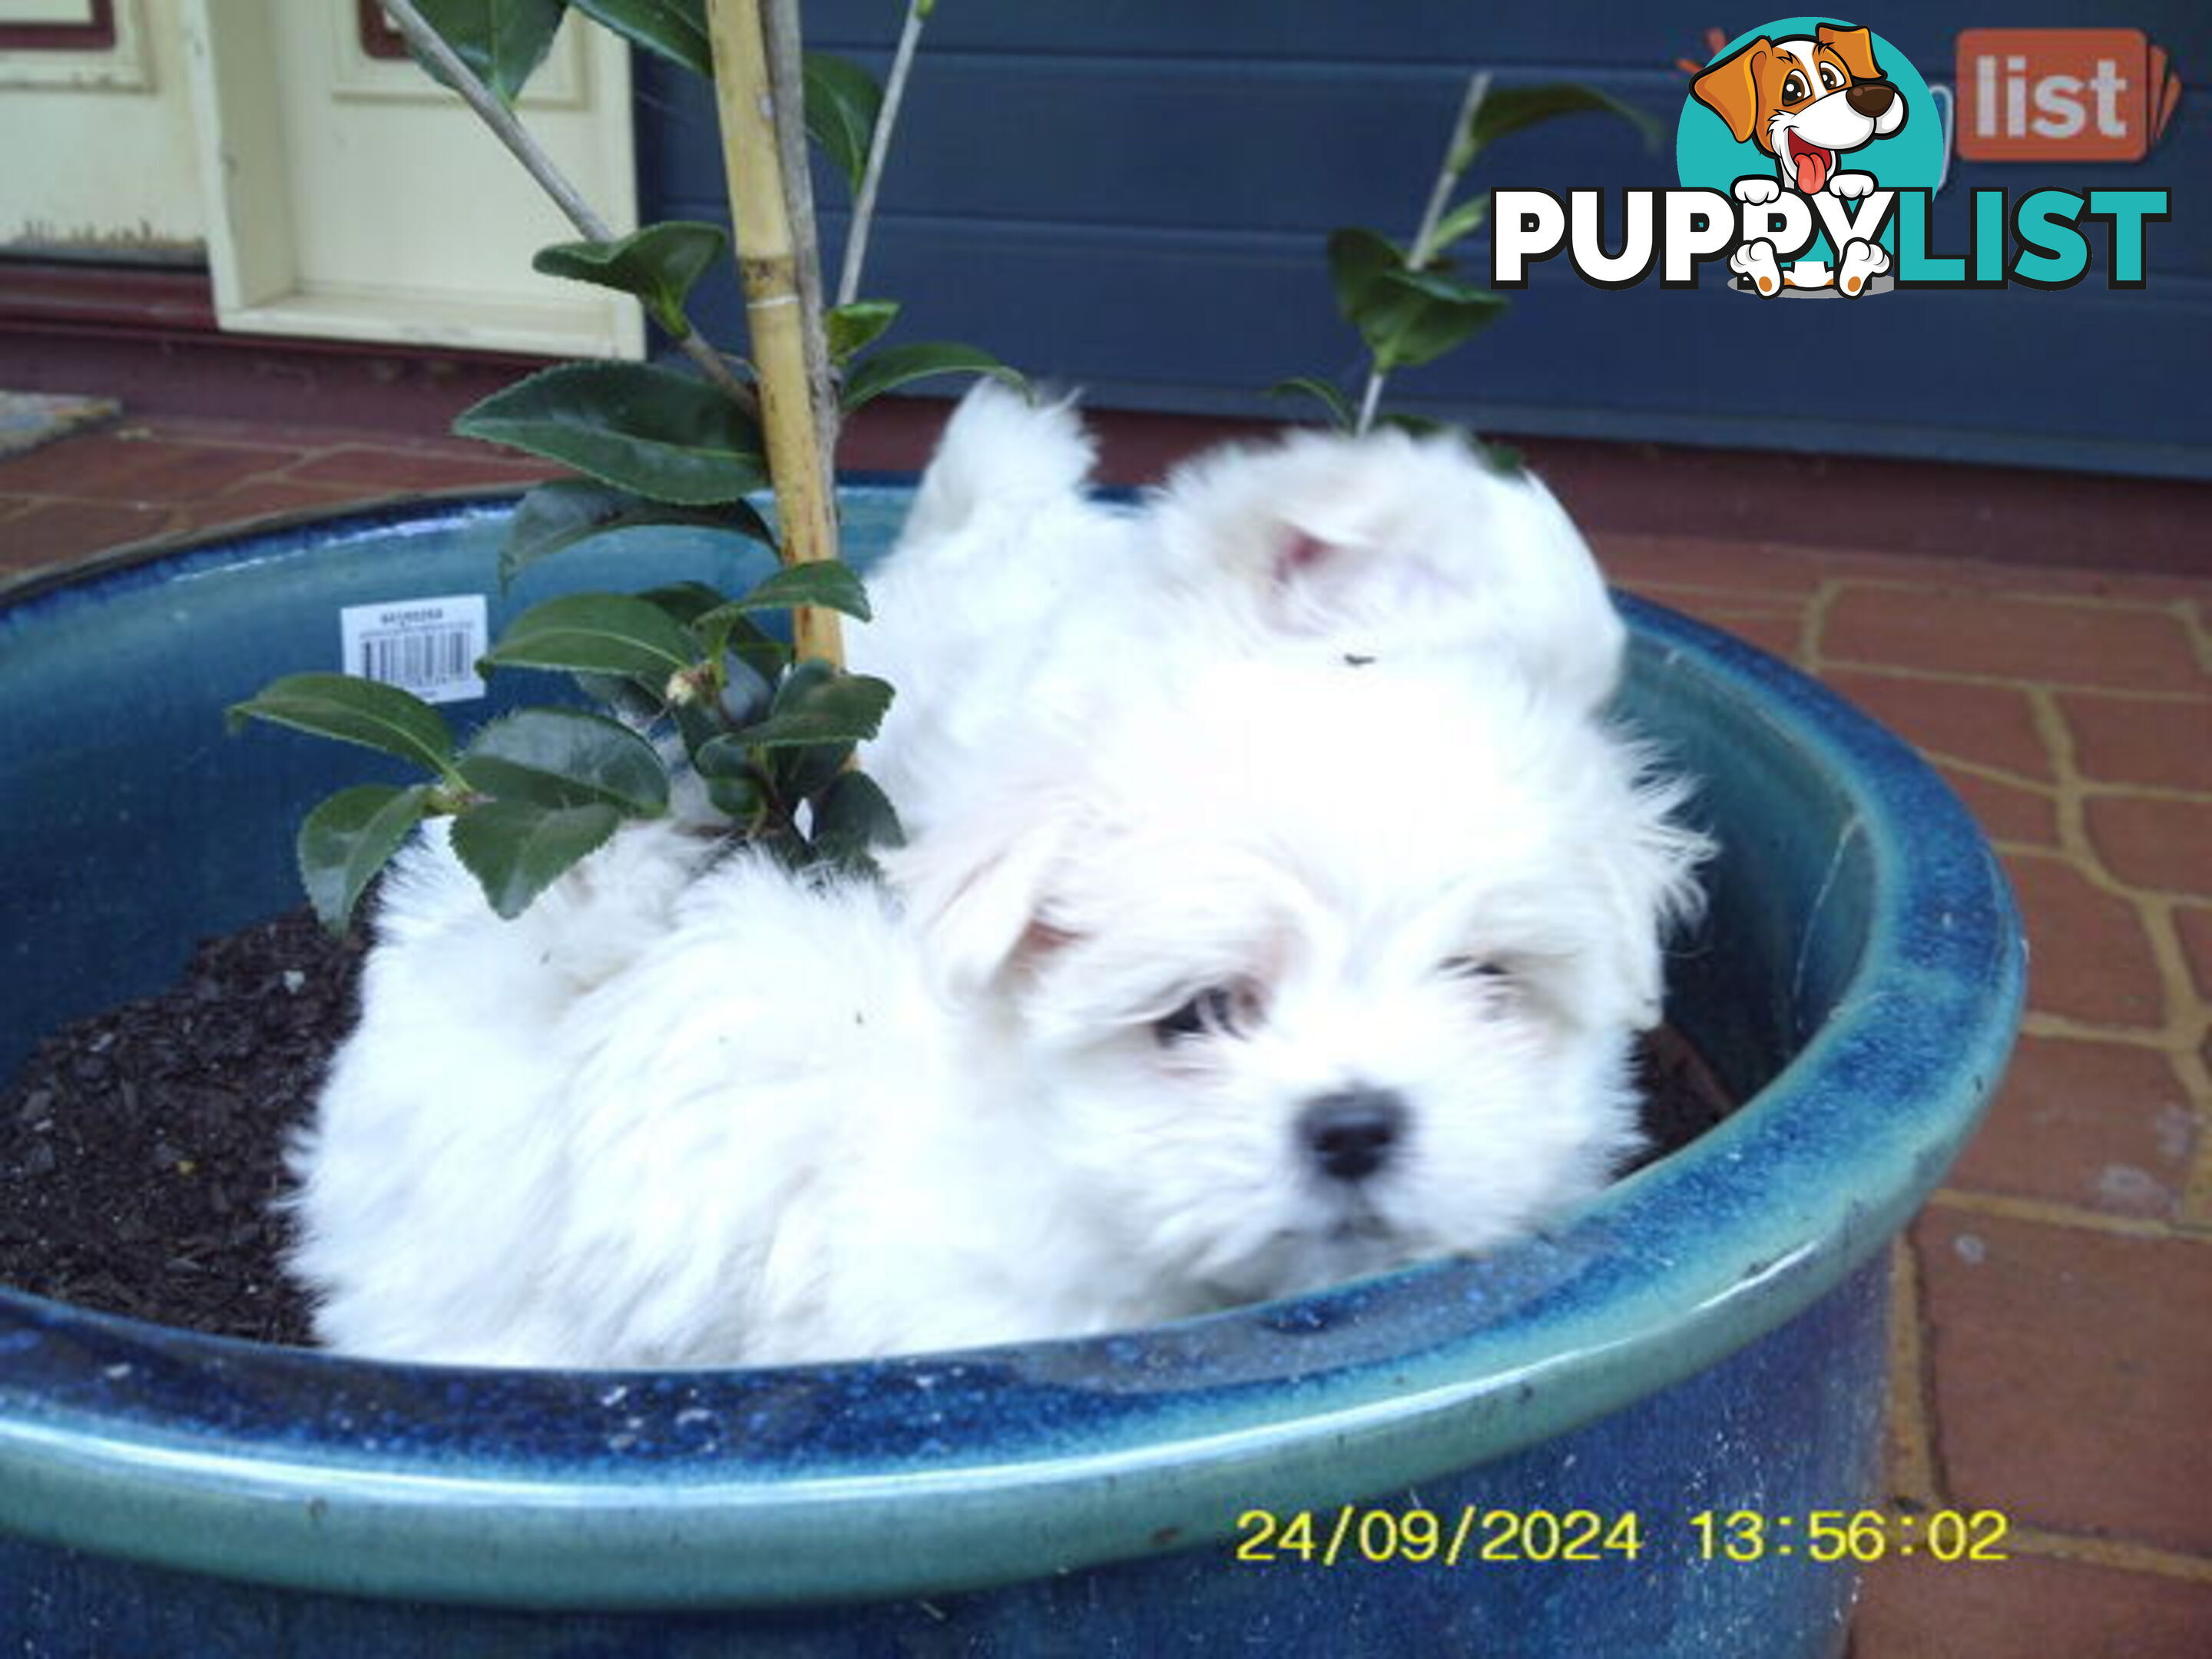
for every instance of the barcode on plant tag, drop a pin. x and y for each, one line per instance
(428, 647)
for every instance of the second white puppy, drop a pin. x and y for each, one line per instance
(1299, 972)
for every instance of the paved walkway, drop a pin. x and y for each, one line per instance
(2053, 1347)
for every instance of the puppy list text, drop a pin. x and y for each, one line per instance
(2040, 238)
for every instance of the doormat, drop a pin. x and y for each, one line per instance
(28, 419)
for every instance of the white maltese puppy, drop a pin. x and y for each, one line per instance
(1012, 597)
(1288, 973)
(1279, 907)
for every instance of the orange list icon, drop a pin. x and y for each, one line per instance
(2061, 95)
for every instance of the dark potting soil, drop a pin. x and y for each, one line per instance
(142, 1149)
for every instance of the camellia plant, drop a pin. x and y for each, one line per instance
(685, 674)
(1409, 304)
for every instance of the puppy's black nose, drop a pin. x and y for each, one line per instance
(1350, 1133)
(1871, 98)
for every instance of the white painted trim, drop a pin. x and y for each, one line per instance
(65, 14)
(456, 275)
(126, 66)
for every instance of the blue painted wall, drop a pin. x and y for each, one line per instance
(1132, 198)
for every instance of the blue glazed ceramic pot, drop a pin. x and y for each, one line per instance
(1707, 1338)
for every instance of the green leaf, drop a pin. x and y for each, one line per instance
(353, 710)
(842, 101)
(632, 700)
(697, 724)
(640, 700)
(731, 630)
(818, 704)
(855, 326)
(853, 815)
(1330, 394)
(739, 799)
(502, 40)
(597, 634)
(1357, 260)
(565, 758)
(685, 602)
(1503, 460)
(1509, 109)
(747, 693)
(653, 431)
(815, 704)
(828, 583)
(348, 838)
(724, 758)
(801, 771)
(659, 265)
(1462, 222)
(1425, 314)
(1406, 317)
(674, 29)
(567, 511)
(517, 849)
(895, 365)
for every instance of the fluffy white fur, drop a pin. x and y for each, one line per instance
(1014, 599)
(1285, 797)
(681, 1118)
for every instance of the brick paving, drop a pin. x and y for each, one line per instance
(138, 481)
(2052, 1351)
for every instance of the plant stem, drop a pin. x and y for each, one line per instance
(1370, 398)
(431, 47)
(1457, 155)
(879, 149)
(769, 264)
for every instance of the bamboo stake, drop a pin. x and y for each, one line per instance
(773, 308)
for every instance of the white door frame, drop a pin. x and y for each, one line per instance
(352, 197)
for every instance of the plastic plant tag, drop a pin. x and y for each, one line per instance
(428, 646)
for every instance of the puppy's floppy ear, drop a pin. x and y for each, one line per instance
(1319, 579)
(1648, 887)
(1299, 553)
(1307, 575)
(1853, 46)
(1730, 87)
(975, 888)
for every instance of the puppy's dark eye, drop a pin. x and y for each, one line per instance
(1217, 1010)
(1830, 76)
(1487, 970)
(1795, 89)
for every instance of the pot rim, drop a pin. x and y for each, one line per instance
(940, 1472)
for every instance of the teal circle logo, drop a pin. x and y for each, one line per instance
(1801, 121)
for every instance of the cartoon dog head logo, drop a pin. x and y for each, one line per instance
(1806, 101)
(1802, 102)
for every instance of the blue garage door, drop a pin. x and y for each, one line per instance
(1132, 198)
